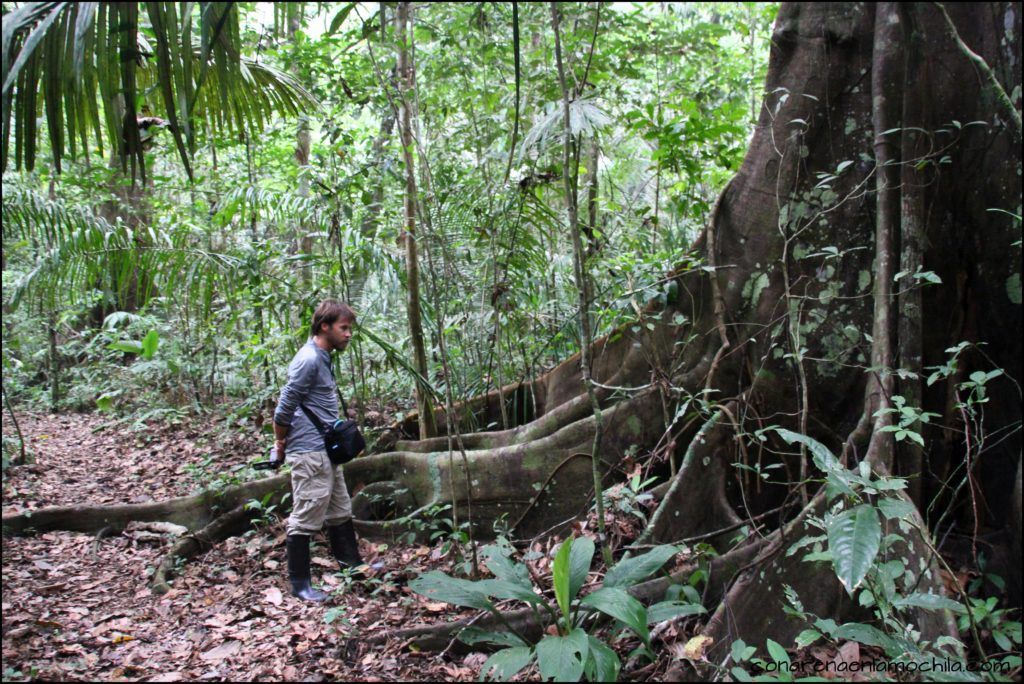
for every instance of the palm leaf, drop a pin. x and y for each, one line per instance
(79, 251)
(585, 118)
(80, 59)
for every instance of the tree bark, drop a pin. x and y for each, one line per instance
(194, 512)
(910, 456)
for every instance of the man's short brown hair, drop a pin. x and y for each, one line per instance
(329, 311)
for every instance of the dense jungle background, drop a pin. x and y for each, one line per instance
(688, 343)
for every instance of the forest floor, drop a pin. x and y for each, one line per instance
(80, 608)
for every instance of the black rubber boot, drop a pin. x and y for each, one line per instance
(298, 569)
(345, 547)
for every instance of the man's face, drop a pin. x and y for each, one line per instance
(338, 334)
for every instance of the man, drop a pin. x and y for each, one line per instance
(319, 494)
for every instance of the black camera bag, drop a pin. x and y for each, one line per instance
(342, 439)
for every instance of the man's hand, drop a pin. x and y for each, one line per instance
(280, 438)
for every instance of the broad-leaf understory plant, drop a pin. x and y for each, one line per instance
(572, 652)
(864, 531)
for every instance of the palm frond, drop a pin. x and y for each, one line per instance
(271, 206)
(585, 118)
(83, 62)
(79, 252)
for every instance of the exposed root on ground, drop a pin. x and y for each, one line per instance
(191, 545)
(193, 512)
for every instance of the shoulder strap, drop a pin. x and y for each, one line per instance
(317, 423)
(344, 408)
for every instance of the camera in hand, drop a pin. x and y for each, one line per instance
(270, 464)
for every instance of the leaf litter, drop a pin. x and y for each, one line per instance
(78, 608)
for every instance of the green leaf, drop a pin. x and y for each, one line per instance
(929, 602)
(740, 675)
(853, 538)
(340, 17)
(864, 634)
(741, 652)
(475, 635)
(438, 586)
(149, 344)
(504, 568)
(130, 347)
(579, 564)
(820, 454)
(1013, 288)
(837, 483)
(562, 658)
(895, 508)
(603, 663)
(666, 610)
(629, 571)
(776, 652)
(807, 637)
(509, 590)
(560, 576)
(26, 14)
(818, 556)
(506, 663)
(617, 603)
(1002, 640)
(890, 484)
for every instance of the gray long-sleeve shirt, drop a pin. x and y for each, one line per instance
(311, 383)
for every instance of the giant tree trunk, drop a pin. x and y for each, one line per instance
(777, 332)
(782, 325)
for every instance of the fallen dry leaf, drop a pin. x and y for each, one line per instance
(273, 595)
(225, 650)
(849, 653)
(697, 646)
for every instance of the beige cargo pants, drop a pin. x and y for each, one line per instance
(319, 494)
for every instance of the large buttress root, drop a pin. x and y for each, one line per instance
(192, 544)
(193, 512)
(501, 479)
(753, 608)
(695, 503)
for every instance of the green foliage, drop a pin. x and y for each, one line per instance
(907, 417)
(866, 525)
(14, 675)
(265, 510)
(572, 652)
(630, 497)
(227, 255)
(996, 621)
(854, 537)
(87, 62)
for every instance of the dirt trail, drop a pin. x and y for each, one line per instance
(80, 608)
